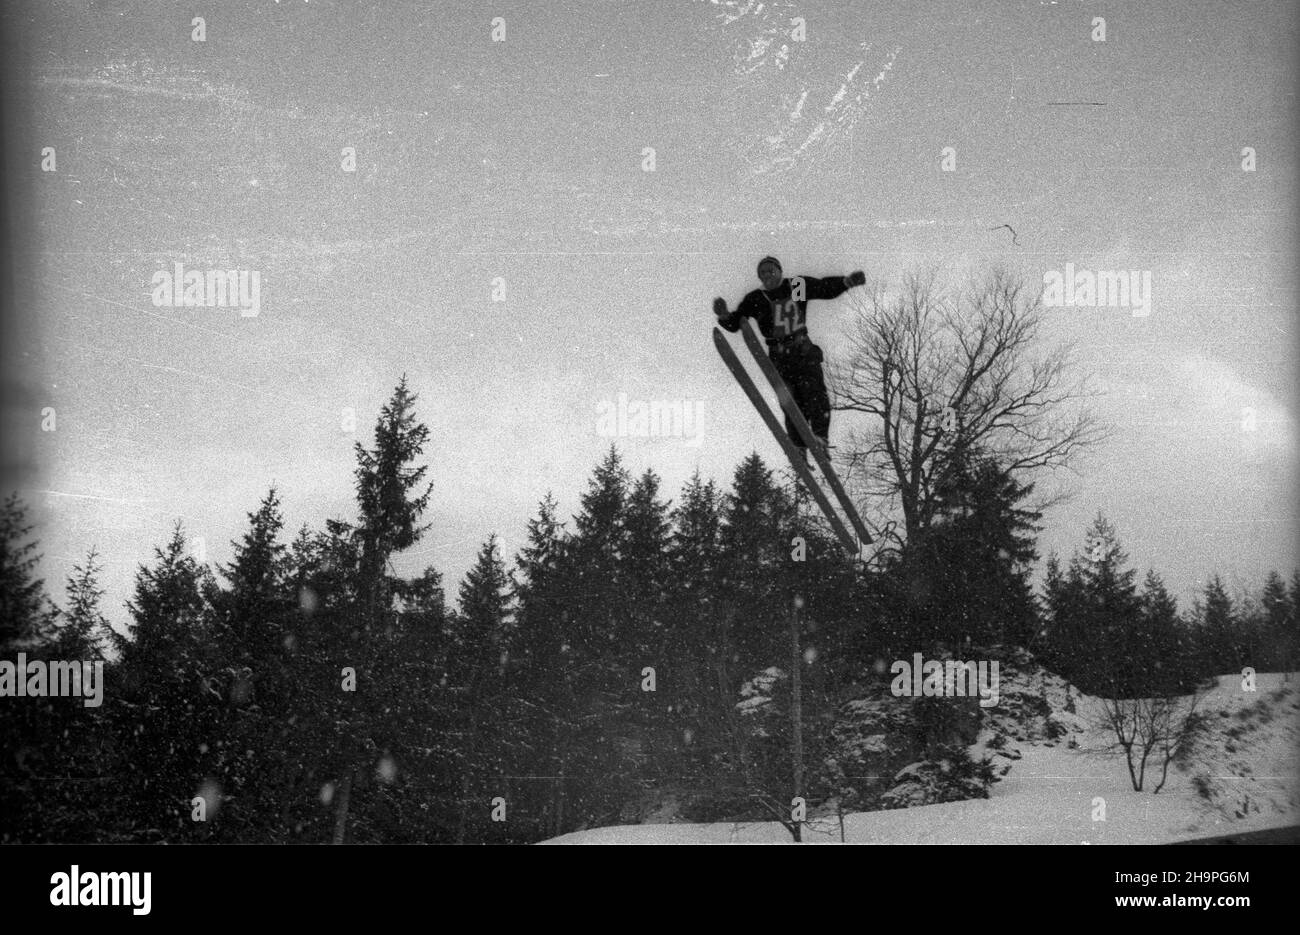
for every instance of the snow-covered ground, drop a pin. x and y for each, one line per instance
(1243, 775)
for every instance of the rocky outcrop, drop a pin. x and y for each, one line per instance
(887, 751)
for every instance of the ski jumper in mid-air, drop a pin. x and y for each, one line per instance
(781, 313)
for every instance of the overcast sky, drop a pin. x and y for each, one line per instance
(526, 159)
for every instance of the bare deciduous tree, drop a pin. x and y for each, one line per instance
(1163, 726)
(934, 374)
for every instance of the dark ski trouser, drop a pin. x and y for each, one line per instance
(800, 364)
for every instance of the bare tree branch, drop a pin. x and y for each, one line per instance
(930, 373)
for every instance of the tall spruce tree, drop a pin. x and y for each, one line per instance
(1093, 612)
(1276, 607)
(538, 595)
(254, 651)
(1059, 601)
(389, 518)
(476, 670)
(1221, 649)
(594, 580)
(695, 641)
(252, 614)
(968, 571)
(756, 553)
(168, 712)
(33, 748)
(646, 584)
(541, 644)
(1291, 644)
(357, 638)
(1111, 612)
(1162, 647)
(26, 614)
(84, 632)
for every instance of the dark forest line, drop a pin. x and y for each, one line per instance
(305, 693)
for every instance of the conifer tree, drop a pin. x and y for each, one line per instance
(84, 632)
(476, 670)
(389, 521)
(255, 648)
(168, 710)
(251, 614)
(1221, 644)
(695, 633)
(594, 581)
(645, 573)
(26, 614)
(755, 554)
(542, 649)
(1277, 611)
(1162, 648)
(358, 639)
(32, 746)
(969, 569)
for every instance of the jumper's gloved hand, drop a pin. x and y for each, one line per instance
(720, 307)
(857, 278)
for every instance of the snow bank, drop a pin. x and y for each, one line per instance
(1243, 775)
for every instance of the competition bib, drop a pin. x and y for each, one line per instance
(786, 319)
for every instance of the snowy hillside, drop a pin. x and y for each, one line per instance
(1242, 775)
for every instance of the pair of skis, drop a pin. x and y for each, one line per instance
(801, 426)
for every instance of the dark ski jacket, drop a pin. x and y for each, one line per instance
(778, 315)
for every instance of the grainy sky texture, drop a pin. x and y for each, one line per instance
(526, 159)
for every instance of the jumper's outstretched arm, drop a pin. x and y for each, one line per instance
(832, 287)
